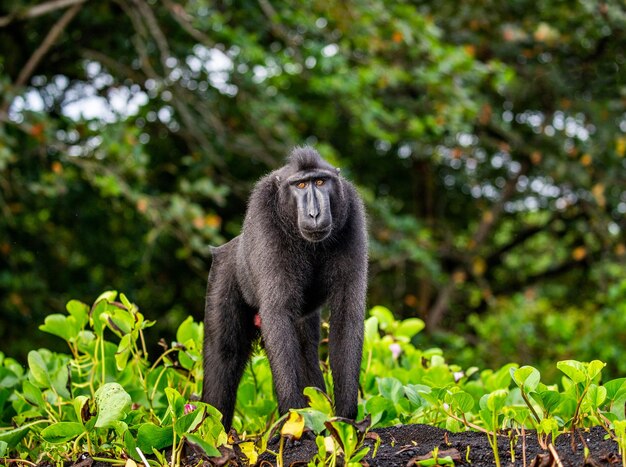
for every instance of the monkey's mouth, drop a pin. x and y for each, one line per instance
(315, 235)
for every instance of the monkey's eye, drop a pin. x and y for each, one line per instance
(301, 185)
(319, 182)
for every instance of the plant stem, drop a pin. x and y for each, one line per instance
(102, 357)
(576, 414)
(494, 445)
(279, 459)
(555, 455)
(20, 461)
(468, 424)
(524, 446)
(530, 406)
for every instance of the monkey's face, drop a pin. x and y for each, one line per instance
(313, 194)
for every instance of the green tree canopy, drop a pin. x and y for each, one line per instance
(488, 138)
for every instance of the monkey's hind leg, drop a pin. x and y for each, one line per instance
(309, 336)
(229, 334)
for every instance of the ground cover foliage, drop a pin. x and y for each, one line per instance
(487, 139)
(106, 401)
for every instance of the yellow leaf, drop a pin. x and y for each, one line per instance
(293, 427)
(249, 450)
(198, 222)
(56, 167)
(579, 253)
(535, 157)
(620, 146)
(586, 160)
(213, 220)
(487, 217)
(598, 193)
(142, 205)
(397, 37)
(459, 277)
(410, 300)
(479, 266)
(130, 463)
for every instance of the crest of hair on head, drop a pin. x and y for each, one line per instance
(307, 158)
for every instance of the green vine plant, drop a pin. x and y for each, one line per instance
(106, 398)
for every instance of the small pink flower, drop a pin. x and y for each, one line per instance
(396, 350)
(189, 408)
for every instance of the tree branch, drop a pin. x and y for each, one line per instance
(41, 51)
(48, 41)
(185, 21)
(38, 10)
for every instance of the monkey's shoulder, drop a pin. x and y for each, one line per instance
(227, 249)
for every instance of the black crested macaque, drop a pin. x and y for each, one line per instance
(303, 245)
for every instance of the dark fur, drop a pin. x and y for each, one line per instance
(272, 270)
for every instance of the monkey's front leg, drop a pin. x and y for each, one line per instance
(283, 350)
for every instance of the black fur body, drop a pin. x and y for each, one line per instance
(303, 245)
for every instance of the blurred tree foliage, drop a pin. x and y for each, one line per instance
(488, 138)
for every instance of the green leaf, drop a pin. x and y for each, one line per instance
(62, 432)
(14, 436)
(79, 311)
(573, 369)
(594, 368)
(314, 419)
(548, 399)
(345, 434)
(526, 378)
(495, 401)
(123, 351)
(381, 409)
(501, 379)
(486, 416)
(38, 370)
(615, 388)
(318, 400)
(126, 302)
(371, 330)
(463, 401)
(151, 436)
(384, 316)
(409, 327)
(78, 403)
(391, 388)
(4, 447)
(413, 393)
(189, 422)
(596, 395)
(112, 403)
(209, 449)
(108, 296)
(98, 316)
(58, 381)
(175, 401)
(33, 394)
(119, 321)
(358, 456)
(189, 330)
(57, 325)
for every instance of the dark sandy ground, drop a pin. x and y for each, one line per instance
(407, 445)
